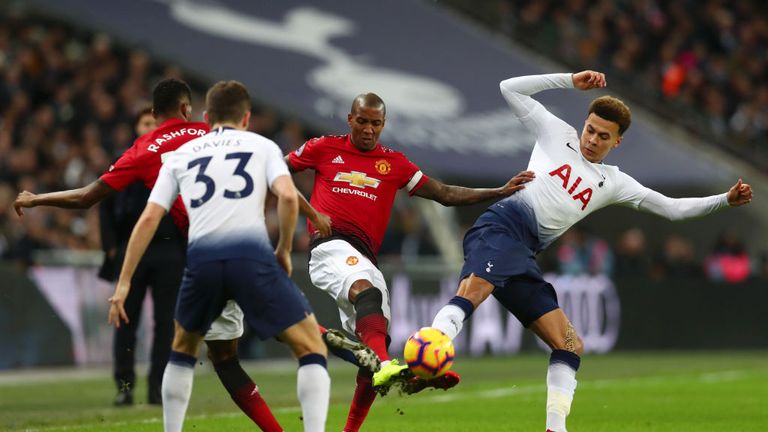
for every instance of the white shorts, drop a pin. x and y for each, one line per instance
(334, 266)
(229, 325)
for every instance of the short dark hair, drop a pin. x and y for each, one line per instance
(142, 112)
(167, 95)
(369, 100)
(227, 101)
(613, 110)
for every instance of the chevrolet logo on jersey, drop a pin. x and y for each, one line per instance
(357, 179)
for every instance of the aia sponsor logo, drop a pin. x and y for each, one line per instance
(583, 195)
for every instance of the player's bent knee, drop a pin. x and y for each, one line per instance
(186, 343)
(221, 350)
(475, 289)
(358, 287)
(304, 338)
(369, 302)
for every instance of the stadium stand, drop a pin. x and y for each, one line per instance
(704, 60)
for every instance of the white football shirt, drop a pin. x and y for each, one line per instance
(223, 179)
(568, 187)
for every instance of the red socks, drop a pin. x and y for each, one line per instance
(361, 401)
(245, 394)
(250, 401)
(372, 330)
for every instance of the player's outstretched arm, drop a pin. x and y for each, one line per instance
(81, 198)
(450, 195)
(533, 115)
(142, 234)
(685, 208)
(287, 214)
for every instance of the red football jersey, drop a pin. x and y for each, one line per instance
(355, 188)
(143, 160)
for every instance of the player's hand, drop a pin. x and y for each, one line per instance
(23, 200)
(284, 259)
(117, 309)
(588, 80)
(739, 194)
(322, 224)
(516, 183)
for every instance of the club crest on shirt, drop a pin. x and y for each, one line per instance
(352, 260)
(383, 166)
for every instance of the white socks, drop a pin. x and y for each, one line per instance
(561, 384)
(176, 389)
(314, 390)
(449, 320)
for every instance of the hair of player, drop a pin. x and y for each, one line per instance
(168, 94)
(147, 110)
(227, 101)
(612, 109)
(369, 100)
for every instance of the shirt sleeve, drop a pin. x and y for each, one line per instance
(166, 187)
(518, 90)
(414, 177)
(633, 194)
(275, 164)
(629, 192)
(306, 156)
(124, 172)
(682, 208)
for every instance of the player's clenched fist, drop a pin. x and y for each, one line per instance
(23, 200)
(739, 194)
(588, 80)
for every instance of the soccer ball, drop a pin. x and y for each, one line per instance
(429, 353)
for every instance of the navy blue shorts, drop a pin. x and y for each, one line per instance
(270, 301)
(496, 254)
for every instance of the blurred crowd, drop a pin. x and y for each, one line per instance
(68, 99)
(702, 64)
(578, 252)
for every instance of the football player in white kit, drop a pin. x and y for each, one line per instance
(571, 182)
(223, 179)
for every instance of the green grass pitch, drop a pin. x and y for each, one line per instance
(721, 391)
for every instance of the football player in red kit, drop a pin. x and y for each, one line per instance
(356, 179)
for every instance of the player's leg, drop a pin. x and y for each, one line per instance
(472, 292)
(274, 306)
(556, 330)
(370, 323)
(124, 342)
(165, 280)
(200, 300)
(313, 385)
(221, 340)
(533, 301)
(450, 319)
(334, 267)
(178, 377)
(349, 350)
(491, 255)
